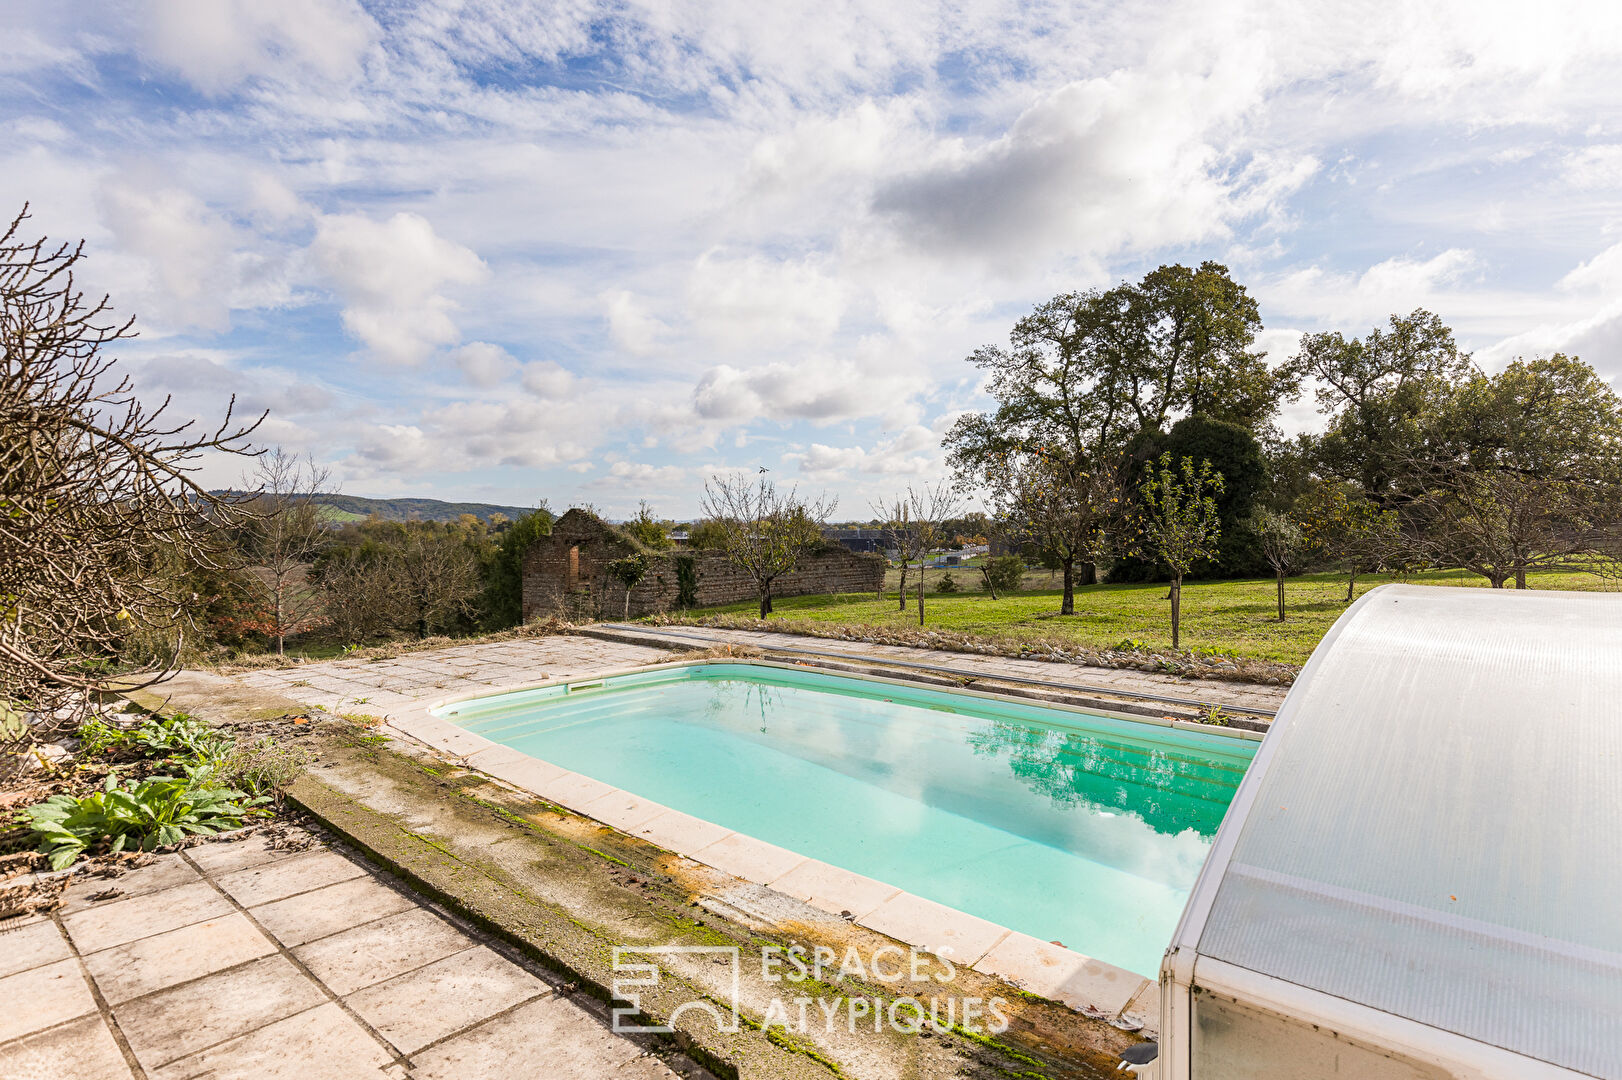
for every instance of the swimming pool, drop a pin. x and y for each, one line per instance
(1083, 829)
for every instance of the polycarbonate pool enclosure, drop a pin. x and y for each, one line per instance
(1421, 874)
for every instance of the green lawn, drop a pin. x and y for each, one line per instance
(1236, 618)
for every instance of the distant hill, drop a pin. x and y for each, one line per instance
(355, 508)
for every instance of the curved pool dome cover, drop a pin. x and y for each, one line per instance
(1433, 828)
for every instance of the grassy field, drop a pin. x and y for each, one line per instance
(1235, 618)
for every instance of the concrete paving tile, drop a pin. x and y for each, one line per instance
(225, 857)
(167, 872)
(1057, 973)
(552, 1037)
(141, 967)
(313, 915)
(323, 1043)
(832, 889)
(153, 964)
(679, 832)
(185, 1019)
(934, 927)
(53, 993)
(623, 810)
(426, 1005)
(378, 951)
(531, 774)
(106, 925)
(748, 858)
(572, 790)
(262, 884)
(1144, 1008)
(30, 943)
(81, 1050)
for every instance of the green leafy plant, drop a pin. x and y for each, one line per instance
(146, 814)
(97, 736)
(946, 584)
(181, 735)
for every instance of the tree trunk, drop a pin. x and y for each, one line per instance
(1068, 605)
(627, 614)
(281, 627)
(902, 592)
(1497, 580)
(1176, 607)
(990, 588)
(920, 594)
(1281, 596)
(1087, 574)
(1351, 579)
(422, 626)
(1520, 577)
(765, 599)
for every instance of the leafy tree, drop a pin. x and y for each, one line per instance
(503, 600)
(1063, 509)
(1281, 545)
(1380, 393)
(1235, 453)
(765, 532)
(648, 530)
(1002, 574)
(1521, 470)
(1342, 526)
(629, 572)
(1180, 524)
(1200, 330)
(706, 536)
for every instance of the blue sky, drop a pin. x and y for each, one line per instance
(594, 252)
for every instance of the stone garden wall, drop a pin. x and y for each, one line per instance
(566, 574)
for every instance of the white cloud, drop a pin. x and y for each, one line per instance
(913, 452)
(390, 275)
(484, 365)
(218, 44)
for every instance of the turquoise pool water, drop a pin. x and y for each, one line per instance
(1076, 828)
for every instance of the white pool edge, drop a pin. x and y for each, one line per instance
(1081, 982)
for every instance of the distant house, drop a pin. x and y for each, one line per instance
(874, 540)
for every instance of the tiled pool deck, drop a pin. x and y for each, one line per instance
(1039, 967)
(243, 959)
(405, 688)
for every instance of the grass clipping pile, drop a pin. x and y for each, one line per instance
(1185, 664)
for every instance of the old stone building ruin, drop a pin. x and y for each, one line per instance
(566, 573)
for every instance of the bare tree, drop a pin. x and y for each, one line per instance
(929, 508)
(766, 532)
(98, 501)
(437, 577)
(363, 599)
(283, 536)
(1063, 505)
(895, 521)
